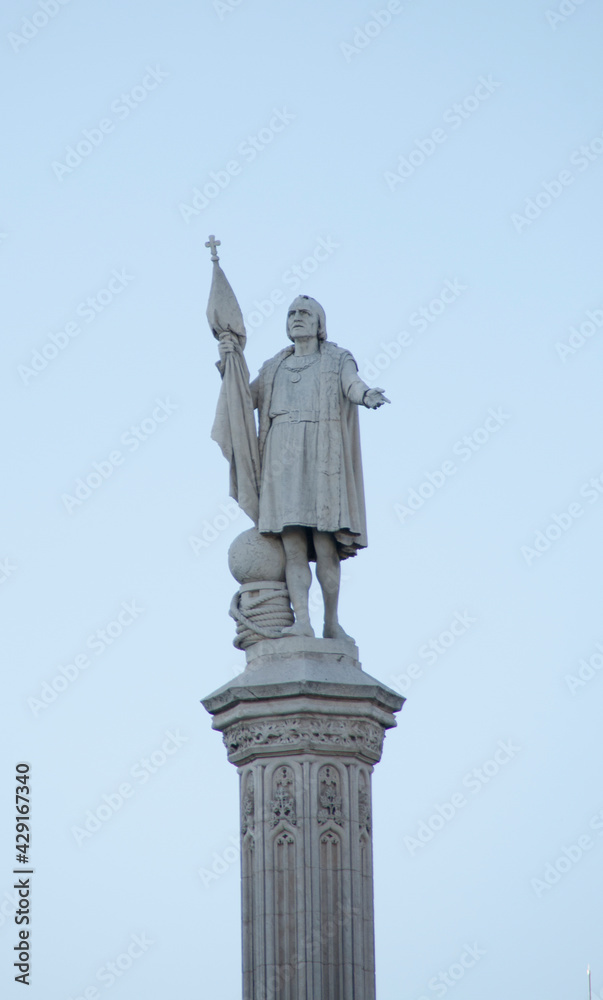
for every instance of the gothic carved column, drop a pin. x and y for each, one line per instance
(304, 729)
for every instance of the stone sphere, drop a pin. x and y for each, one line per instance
(253, 558)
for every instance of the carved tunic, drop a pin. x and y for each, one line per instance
(311, 469)
(288, 485)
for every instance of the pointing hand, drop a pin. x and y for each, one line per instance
(374, 398)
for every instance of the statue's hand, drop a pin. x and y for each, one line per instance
(228, 343)
(374, 398)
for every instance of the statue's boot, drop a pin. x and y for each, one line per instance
(300, 628)
(335, 631)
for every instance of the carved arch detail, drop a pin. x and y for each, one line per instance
(330, 800)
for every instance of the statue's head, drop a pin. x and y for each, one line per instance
(306, 318)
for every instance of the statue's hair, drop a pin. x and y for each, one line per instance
(322, 319)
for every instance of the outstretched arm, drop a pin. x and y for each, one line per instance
(358, 391)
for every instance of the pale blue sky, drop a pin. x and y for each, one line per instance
(183, 90)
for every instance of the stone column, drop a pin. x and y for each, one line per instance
(305, 725)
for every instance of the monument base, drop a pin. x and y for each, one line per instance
(304, 724)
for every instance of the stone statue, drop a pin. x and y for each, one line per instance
(304, 481)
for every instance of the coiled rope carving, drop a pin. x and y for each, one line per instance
(260, 610)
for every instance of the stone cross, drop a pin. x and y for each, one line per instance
(213, 243)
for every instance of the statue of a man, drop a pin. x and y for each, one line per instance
(311, 490)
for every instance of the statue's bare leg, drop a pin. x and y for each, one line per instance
(328, 572)
(299, 578)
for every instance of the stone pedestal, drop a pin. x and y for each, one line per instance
(305, 725)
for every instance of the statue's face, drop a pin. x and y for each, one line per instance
(302, 320)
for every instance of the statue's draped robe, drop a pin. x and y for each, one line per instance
(335, 479)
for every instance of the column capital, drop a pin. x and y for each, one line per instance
(301, 695)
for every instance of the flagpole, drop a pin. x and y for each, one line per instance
(590, 995)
